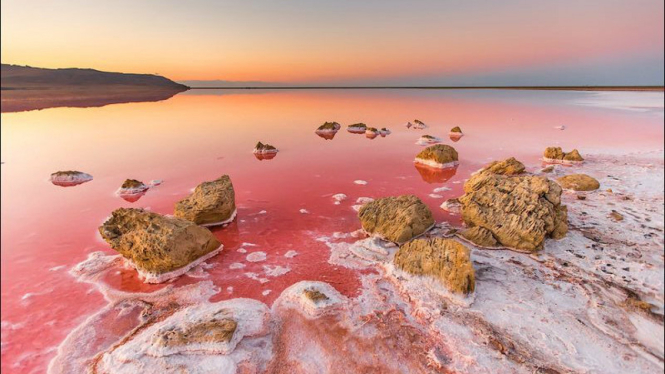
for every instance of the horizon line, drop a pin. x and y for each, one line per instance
(575, 88)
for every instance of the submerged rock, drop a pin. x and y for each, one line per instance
(397, 219)
(261, 148)
(329, 127)
(438, 156)
(557, 155)
(357, 128)
(579, 182)
(444, 259)
(69, 178)
(520, 211)
(211, 203)
(159, 247)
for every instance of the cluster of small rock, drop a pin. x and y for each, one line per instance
(162, 247)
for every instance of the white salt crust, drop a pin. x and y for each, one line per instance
(562, 162)
(233, 216)
(264, 151)
(427, 141)
(455, 134)
(149, 277)
(435, 164)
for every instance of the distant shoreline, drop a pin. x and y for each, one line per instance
(533, 88)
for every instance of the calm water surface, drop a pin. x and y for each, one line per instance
(201, 135)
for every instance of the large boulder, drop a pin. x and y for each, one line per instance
(579, 182)
(444, 259)
(211, 203)
(519, 210)
(438, 156)
(397, 219)
(159, 247)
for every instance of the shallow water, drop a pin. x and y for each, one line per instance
(284, 203)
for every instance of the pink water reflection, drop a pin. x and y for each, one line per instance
(196, 137)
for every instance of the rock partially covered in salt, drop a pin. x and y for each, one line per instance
(557, 155)
(69, 178)
(159, 247)
(438, 156)
(311, 299)
(444, 259)
(261, 148)
(397, 219)
(198, 339)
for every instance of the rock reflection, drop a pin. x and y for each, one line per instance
(265, 156)
(327, 135)
(435, 175)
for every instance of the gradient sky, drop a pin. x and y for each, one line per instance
(456, 42)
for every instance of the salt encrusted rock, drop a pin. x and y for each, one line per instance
(357, 128)
(208, 335)
(384, 131)
(159, 247)
(444, 259)
(211, 203)
(452, 206)
(261, 148)
(456, 131)
(329, 127)
(397, 219)
(520, 211)
(480, 237)
(579, 182)
(438, 156)
(311, 299)
(428, 139)
(69, 178)
(417, 124)
(132, 186)
(556, 155)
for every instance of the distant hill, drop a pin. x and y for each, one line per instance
(26, 77)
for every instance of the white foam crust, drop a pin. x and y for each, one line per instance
(149, 277)
(435, 164)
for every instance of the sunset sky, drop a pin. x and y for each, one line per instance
(521, 42)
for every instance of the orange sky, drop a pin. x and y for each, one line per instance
(312, 41)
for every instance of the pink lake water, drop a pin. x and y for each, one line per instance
(201, 135)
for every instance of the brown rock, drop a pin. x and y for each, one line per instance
(520, 211)
(156, 244)
(212, 331)
(133, 184)
(456, 130)
(579, 182)
(573, 155)
(548, 169)
(616, 216)
(444, 259)
(553, 153)
(556, 154)
(506, 167)
(211, 203)
(438, 154)
(315, 295)
(480, 236)
(397, 219)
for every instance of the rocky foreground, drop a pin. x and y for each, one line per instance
(586, 297)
